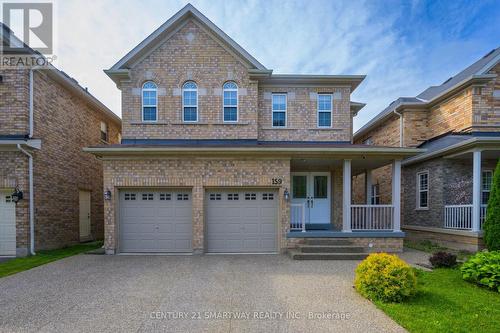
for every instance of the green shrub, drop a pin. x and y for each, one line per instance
(443, 259)
(491, 225)
(483, 268)
(386, 278)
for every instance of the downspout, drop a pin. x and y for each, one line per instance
(400, 127)
(31, 203)
(31, 97)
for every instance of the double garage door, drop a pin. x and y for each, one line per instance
(236, 221)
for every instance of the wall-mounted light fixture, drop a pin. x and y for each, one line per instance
(286, 194)
(107, 194)
(17, 195)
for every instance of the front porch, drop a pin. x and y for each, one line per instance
(321, 204)
(311, 205)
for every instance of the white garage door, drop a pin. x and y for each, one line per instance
(155, 221)
(7, 225)
(241, 221)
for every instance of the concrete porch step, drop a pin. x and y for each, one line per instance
(297, 255)
(331, 249)
(327, 241)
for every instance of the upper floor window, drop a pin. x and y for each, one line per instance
(423, 189)
(324, 110)
(279, 110)
(104, 131)
(190, 102)
(230, 102)
(496, 93)
(149, 101)
(486, 181)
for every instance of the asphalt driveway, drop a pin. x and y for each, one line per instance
(266, 293)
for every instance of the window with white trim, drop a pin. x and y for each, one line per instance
(230, 102)
(423, 189)
(190, 102)
(104, 131)
(279, 110)
(375, 199)
(324, 110)
(486, 181)
(149, 102)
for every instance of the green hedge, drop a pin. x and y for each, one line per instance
(491, 225)
(483, 268)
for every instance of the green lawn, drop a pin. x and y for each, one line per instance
(17, 265)
(446, 303)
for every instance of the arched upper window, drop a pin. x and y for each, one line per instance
(190, 102)
(230, 102)
(149, 101)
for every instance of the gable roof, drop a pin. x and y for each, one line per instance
(477, 72)
(59, 76)
(188, 11)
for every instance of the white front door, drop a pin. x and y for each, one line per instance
(313, 190)
(7, 224)
(84, 215)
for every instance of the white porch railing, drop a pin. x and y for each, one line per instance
(372, 217)
(298, 217)
(460, 216)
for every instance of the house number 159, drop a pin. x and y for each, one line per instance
(277, 181)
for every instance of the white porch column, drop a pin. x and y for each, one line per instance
(476, 190)
(369, 183)
(396, 193)
(346, 212)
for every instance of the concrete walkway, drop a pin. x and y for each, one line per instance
(266, 293)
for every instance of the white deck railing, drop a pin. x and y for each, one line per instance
(372, 217)
(298, 217)
(460, 216)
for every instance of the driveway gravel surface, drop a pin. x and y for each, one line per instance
(223, 293)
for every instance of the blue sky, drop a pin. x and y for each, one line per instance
(402, 46)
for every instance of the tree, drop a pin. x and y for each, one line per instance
(492, 222)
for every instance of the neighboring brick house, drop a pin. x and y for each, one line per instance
(458, 123)
(221, 155)
(46, 114)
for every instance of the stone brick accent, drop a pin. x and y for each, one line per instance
(379, 244)
(450, 183)
(452, 239)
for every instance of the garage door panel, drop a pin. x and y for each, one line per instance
(156, 221)
(248, 224)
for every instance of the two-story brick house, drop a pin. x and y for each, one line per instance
(220, 155)
(446, 188)
(46, 119)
